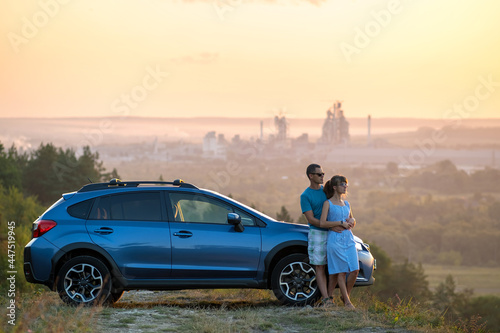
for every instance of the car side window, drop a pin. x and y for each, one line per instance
(189, 207)
(81, 209)
(144, 206)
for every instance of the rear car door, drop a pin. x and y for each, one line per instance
(205, 245)
(132, 228)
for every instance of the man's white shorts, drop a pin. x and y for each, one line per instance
(317, 246)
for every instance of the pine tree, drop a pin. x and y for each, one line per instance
(284, 215)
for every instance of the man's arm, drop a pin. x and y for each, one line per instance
(337, 226)
(311, 219)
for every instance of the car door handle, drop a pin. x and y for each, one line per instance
(104, 231)
(183, 234)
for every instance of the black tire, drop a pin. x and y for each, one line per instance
(84, 280)
(294, 281)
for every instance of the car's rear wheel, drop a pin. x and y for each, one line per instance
(84, 280)
(294, 281)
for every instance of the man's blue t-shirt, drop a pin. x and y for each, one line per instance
(313, 200)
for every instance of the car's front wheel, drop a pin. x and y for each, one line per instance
(294, 281)
(84, 280)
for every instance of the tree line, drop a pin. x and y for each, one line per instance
(48, 171)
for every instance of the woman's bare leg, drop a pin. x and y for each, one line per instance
(343, 291)
(351, 280)
(332, 283)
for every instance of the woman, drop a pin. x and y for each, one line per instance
(341, 247)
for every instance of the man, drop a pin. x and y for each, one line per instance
(311, 203)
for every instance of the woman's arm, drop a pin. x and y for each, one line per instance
(324, 214)
(351, 221)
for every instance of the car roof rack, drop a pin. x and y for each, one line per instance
(117, 183)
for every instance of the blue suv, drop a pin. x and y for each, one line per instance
(92, 245)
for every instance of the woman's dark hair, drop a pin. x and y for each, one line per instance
(334, 181)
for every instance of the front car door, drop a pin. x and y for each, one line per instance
(205, 245)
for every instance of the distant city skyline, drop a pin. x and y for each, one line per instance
(257, 58)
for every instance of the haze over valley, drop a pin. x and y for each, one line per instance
(471, 143)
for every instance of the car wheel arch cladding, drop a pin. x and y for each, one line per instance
(84, 249)
(281, 251)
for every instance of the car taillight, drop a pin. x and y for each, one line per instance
(42, 226)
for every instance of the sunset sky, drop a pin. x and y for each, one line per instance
(256, 58)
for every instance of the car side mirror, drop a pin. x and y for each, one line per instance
(235, 219)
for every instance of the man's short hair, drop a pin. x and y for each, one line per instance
(311, 169)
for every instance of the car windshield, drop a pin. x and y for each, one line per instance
(253, 210)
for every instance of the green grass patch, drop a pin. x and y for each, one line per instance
(127, 320)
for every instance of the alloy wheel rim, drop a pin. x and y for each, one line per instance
(83, 282)
(298, 281)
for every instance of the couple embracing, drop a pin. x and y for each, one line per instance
(330, 238)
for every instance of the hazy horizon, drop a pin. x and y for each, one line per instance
(97, 131)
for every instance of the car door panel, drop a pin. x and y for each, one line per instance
(122, 226)
(205, 245)
(214, 251)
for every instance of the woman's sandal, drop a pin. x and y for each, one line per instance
(327, 301)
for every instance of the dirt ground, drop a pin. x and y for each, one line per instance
(206, 311)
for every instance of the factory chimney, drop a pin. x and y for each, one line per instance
(369, 130)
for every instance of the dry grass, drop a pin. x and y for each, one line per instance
(214, 311)
(45, 312)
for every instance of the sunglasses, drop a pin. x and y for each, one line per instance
(343, 184)
(321, 174)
